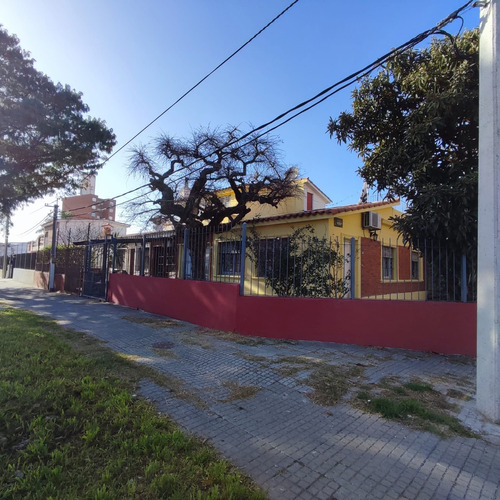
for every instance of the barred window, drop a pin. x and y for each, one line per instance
(271, 253)
(415, 266)
(230, 257)
(387, 263)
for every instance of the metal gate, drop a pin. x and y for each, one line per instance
(96, 268)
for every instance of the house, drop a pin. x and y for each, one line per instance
(84, 217)
(372, 260)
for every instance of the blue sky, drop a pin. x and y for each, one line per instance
(131, 60)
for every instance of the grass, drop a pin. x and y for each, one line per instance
(238, 392)
(70, 426)
(157, 323)
(293, 365)
(331, 382)
(416, 404)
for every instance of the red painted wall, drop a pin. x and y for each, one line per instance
(444, 327)
(205, 303)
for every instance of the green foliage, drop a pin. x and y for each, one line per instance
(415, 403)
(415, 126)
(69, 427)
(46, 141)
(299, 265)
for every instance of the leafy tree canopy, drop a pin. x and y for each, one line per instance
(186, 176)
(415, 126)
(46, 141)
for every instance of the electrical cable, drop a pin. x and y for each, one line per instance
(187, 93)
(36, 225)
(332, 89)
(324, 94)
(202, 80)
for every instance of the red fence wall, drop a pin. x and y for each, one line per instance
(205, 303)
(444, 327)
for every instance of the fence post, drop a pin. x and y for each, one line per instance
(464, 279)
(185, 253)
(353, 268)
(242, 257)
(143, 255)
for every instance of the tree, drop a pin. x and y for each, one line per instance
(415, 126)
(186, 176)
(46, 141)
(299, 265)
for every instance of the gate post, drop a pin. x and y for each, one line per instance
(242, 257)
(185, 253)
(353, 268)
(464, 279)
(143, 255)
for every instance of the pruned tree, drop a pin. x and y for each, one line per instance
(185, 179)
(186, 176)
(415, 127)
(46, 140)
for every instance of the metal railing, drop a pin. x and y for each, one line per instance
(302, 264)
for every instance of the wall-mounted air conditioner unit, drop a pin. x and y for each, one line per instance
(371, 220)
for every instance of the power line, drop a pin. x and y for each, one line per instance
(320, 97)
(332, 89)
(202, 80)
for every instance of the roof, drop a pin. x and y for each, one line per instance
(329, 211)
(302, 180)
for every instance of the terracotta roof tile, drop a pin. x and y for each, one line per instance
(327, 211)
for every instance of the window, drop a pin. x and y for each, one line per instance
(415, 266)
(387, 263)
(271, 253)
(309, 201)
(93, 214)
(229, 257)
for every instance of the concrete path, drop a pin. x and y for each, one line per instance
(250, 397)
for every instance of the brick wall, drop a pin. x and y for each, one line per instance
(371, 271)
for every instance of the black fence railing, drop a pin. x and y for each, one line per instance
(302, 264)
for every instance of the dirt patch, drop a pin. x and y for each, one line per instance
(238, 392)
(157, 323)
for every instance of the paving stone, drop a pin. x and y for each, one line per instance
(289, 445)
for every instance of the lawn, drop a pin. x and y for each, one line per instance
(71, 426)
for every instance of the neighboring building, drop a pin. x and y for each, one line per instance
(376, 263)
(85, 217)
(14, 248)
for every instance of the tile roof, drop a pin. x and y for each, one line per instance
(328, 211)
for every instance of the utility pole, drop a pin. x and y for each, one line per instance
(5, 253)
(53, 251)
(488, 272)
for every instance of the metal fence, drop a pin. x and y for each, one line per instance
(302, 264)
(69, 262)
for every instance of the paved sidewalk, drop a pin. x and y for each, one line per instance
(292, 447)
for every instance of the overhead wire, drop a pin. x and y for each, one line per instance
(328, 92)
(239, 49)
(320, 97)
(202, 80)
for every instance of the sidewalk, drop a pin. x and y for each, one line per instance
(250, 398)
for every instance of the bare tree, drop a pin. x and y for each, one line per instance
(186, 178)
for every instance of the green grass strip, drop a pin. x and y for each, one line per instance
(71, 428)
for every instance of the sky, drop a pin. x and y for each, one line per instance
(132, 60)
